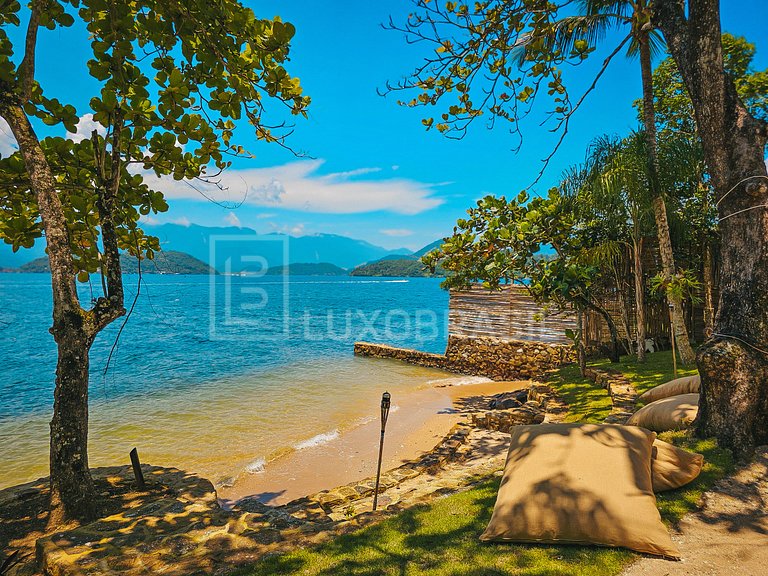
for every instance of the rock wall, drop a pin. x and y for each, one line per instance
(482, 356)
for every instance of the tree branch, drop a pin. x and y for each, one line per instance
(26, 71)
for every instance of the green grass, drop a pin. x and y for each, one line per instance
(718, 462)
(656, 370)
(586, 401)
(441, 538)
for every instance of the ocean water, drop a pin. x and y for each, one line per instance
(216, 375)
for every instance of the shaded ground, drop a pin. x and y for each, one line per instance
(729, 535)
(24, 508)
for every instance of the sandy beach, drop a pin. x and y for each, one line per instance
(418, 420)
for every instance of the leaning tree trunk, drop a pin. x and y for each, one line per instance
(687, 355)
(614, 352)
(734, 362)
(72, 491)
(637, 260)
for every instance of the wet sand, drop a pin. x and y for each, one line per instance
(418, 421)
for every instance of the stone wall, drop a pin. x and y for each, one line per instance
(482, 356)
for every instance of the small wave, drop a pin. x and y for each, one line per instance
(318, 440)
(257, 466)
(226, 482)
(459, 381)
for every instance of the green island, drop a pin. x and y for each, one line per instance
(397, 267)
(307, 269)
(165, 262)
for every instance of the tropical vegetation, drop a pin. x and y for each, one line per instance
(497, 59)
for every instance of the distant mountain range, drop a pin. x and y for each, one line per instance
(232, 249)
(193, 249)
(164, 263)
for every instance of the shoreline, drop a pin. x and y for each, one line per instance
(418, 421)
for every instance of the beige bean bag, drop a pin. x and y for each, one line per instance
(673, 413)
(580, 484)
(684, 385)
(673, 467)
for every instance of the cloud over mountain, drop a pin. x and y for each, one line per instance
(298, 186)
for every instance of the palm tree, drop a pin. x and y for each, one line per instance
(617, 182)
(596, 19)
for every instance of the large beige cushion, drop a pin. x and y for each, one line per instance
(673, 467)
(580, 484)
(673, 413)
(684, 385)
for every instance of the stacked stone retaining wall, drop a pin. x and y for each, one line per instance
(493, 358)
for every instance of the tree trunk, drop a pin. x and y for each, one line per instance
(709, 291)
(734, 362)
(614, 352)
(624, 309)
(659, 206)
(72, 491)
(581, 353)
(637, 258)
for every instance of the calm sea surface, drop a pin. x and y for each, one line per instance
(215, 375)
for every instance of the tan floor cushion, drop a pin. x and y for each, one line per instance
(673, 467)
(673, 413)
(580, 484)
(685, 385)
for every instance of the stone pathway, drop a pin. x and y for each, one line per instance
(622, 392)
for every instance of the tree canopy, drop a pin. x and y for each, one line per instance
(175, 78)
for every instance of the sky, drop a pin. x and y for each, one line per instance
(369, 169)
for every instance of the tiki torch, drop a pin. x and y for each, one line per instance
(672, 330)
(385, 403)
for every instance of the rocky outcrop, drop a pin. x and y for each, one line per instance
(540, 404)
(482, 356)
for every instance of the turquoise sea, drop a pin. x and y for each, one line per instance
(215, 374)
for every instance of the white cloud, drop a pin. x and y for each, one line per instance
(149, 220)
(183, 221)
(397, 232)
(85, 127)
(292, 229)
(395, 167)
(265, 215)
(351, 173)
(297, 186)
(7, 141)
(233, 220)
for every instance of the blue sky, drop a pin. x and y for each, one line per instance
(374, 172)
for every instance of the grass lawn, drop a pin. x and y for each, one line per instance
(441, 538)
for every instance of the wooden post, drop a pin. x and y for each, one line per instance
(137, 473)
